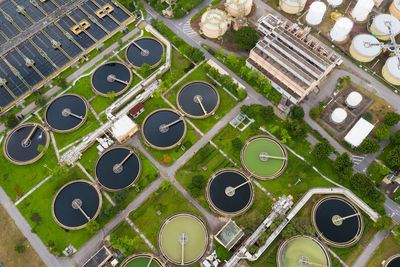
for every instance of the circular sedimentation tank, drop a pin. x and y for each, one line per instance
(264, 157)
(292, 6)
(391, 70)
(164, 129)
(26, 143)
(118, 168)
(394, 8)
(66, 113)
(146, 50)
(111, 79)
(379, 26)
(142, 260)
(238, 8)
(183, 239)
(393, 261)
(198, 99)
(230, 192)
(340, 31)
(339, 115)
(302, 251)
(354, 99)
(316, 13)
(365, 48)
(75, 204)
(337, 221)
(214, 23)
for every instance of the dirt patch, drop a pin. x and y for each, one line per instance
(11, 237)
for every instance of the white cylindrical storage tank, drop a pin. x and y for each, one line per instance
(362, 9)
(335, 3)
(394, 8)
(362, 48)
(214, 23)
(339, 115)
(292, 6)
(340, 31)
(316, 13)
(354, 99)
(238, 8)
(391, 70)
(380, 29)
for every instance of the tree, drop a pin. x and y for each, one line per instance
(19, 249)
(197, 185)
(298, 226)
(362, 184)
(296, 112)
(369, 146)
(383, 223)
(391, 118)
(60, 81)
(366, 116)
(93, 227)
(145, 69)
(392, 159)
(321, 151)
(125, 243)
(11, 120)
(396, 230)
(242, 93)
(343, 166)
(316, 111)
(40, 101)
(237, 144)
(267, 112)
(223, 253)
(246, 38)
(395, 138)
(194, 53)
(248, 111)
(382, 133)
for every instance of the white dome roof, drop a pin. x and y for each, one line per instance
(361, 44)
(316, 13)
(335, 3)
(354, 99)
(214, 23)
(339, 115)
(238, 8)
(381, 21)
(393, 66)
(341, 29)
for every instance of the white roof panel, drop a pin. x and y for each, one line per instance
(359, 132)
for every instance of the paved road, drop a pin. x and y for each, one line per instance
(369, 250)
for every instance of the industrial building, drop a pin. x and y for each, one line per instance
(39, 39)
(291, 58)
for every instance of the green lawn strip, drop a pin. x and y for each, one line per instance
(82, 87)
(18, 180)
(89, 158)
(64, 139)
(388, 248)
(125, 230)
(268, 258)
(40, 201)
(168, 202)
(208, 157)
(226, 101)
(179, 66)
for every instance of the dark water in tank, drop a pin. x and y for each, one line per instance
(226, 203)
(151, 129)
(395, 262)
(63, 209)
(104, 169)
(17, 151)
(187, 96)
(54, 115)
(134, 54)
(338, 234)
(100, 82)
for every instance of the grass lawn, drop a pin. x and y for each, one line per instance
(169, 201)
(83, 87)
(64, 139)
(11, 237)
(226, 101)
(39, 203)
(179, 66)
(388, 248)
(166, 157)
(17, 180)
(124, 229)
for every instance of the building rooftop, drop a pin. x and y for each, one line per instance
(359, 132)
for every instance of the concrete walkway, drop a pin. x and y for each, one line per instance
(370, 249)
